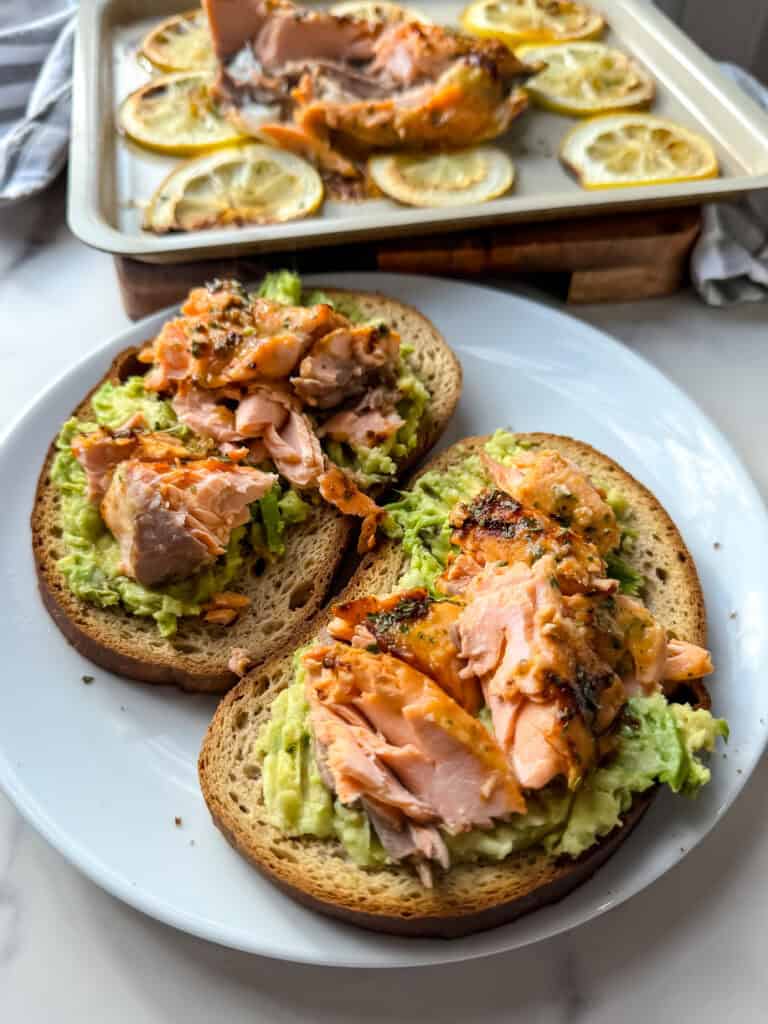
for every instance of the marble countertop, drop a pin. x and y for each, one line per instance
(692, 947)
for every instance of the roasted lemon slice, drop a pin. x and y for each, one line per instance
(378, 10)
(585, 79)
(180, 43)
(532, 21)
(175, 114)
(246, 184)
(443, 179)
(636, 149)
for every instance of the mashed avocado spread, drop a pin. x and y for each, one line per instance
(90, 566)
(658, 742)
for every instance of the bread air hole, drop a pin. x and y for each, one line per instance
(186, 647)
(241, 719)
(300, 595)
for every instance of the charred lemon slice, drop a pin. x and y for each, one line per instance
(378, 10)
(636, 149)
(585, 79)
(532, 21)
(443, 179)
(180, 43)
(246, 184)
(175, 114)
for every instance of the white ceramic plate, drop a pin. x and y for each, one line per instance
(103, 770)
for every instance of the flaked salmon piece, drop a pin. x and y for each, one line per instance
(686, 661)
(546, 481)
(352, 757)
(439, 752)
(403, 839)
(99, 453)
(343, 493)
(260, 409)
(496, 528)
(317, 150)
(458, 574)
(170, 356)
(644, 641)
(234, 340)
(510, 630)
(281, 32)
(171, 520)
(201, 411)
(364, 429)
(215, 297)
(295, 450)
(264, 358)
(417, 629)
(158, 446)
(517, 637)
(547, 743)
(240, 661)
(344, 362)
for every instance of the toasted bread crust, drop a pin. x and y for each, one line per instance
(470, 897)
(284, 595)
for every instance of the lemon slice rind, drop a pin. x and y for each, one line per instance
(378, 10)
(585, 79)
(457, 178)
(180, 43)
(628, 149)
(532, 21)
(249, 183)
(174, 114)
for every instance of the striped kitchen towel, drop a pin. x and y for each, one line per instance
(35, 90)
(730, 260)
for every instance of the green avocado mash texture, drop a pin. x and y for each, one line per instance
(659, 742)
(91, 563)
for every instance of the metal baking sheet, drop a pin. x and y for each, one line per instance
(111, 179)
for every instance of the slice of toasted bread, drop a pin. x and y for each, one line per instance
(284, 594)
(468, 898)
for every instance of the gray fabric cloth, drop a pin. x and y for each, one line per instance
(35, 95)
(730, 260)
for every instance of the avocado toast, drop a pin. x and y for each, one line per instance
(192, 513)
(488, 710)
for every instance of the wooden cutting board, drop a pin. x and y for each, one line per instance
(619, 258)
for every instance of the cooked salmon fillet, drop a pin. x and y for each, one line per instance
(356, 85)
